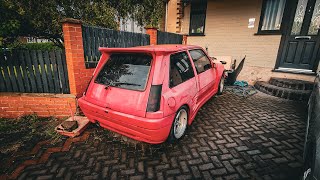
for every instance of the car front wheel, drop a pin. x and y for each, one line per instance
(221, 85)
(179, 125)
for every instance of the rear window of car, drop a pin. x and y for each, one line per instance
(127, 71)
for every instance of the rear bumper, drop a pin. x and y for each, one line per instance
(148, 130)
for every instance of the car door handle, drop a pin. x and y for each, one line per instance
(302, 37)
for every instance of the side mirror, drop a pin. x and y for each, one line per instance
(223, 62)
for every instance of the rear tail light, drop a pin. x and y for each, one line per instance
(154, 98)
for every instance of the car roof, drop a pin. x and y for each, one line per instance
(152, 48)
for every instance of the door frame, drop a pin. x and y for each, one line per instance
(288, 17)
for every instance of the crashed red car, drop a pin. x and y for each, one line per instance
(151, 93)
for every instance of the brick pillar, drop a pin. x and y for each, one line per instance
(79, 76)
(185, 39)
(153, 32)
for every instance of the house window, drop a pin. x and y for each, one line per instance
(198, 17)
(271, 16)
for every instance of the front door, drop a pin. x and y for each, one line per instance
(206, 73)
(301, 41)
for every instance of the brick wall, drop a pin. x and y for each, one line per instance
(13, 105)
(79, 76)
(153, 33)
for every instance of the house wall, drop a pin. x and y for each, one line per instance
(227, 34)
(172, 16)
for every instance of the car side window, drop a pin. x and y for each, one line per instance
(200, 60)
(180, 69)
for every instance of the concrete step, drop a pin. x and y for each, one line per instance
(283, 92)
(291, 83)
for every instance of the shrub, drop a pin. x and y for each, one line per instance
(37, 46)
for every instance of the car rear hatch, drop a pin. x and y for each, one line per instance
(121, 82)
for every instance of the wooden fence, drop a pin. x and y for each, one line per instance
(95, 37)
(31, 71)
(169, 38)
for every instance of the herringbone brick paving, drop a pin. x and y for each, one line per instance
(260, 137)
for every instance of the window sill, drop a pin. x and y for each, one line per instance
(267, 33)
(196, 35)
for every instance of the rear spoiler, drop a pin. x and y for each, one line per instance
(149, 49)
(133, 49)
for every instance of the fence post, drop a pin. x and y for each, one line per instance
(185, 39)
(153, 32)
(79, 76)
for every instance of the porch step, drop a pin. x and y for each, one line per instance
(282, 92)
(291, 83)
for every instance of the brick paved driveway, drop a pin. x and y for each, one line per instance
(231, 138)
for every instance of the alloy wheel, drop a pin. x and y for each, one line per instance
(180, 123)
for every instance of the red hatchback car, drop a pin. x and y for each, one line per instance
(151, 93)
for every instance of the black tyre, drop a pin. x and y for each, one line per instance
(221, 85)
(179, 125)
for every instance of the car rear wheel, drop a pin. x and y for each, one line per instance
(179, 125)
(221, 85)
